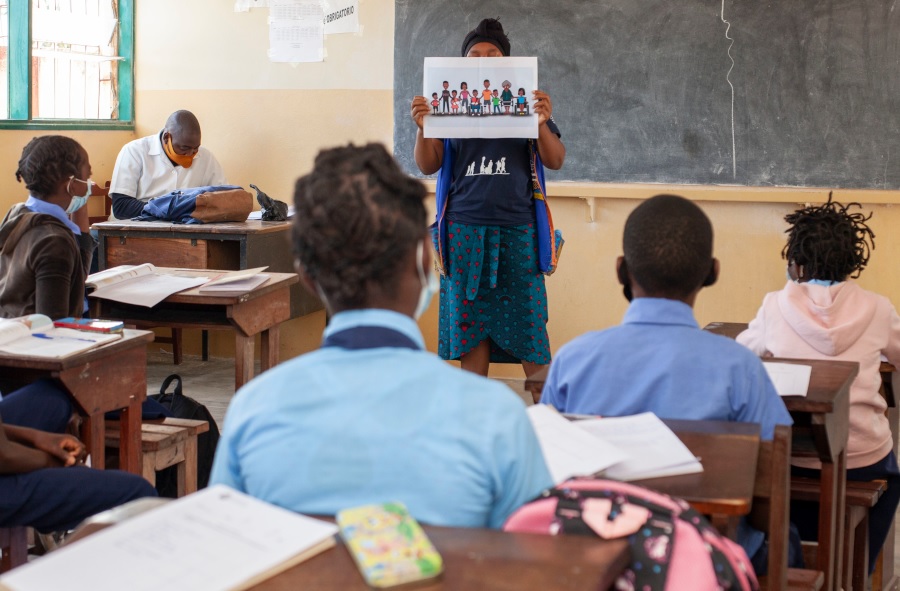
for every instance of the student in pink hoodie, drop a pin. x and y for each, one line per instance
(821, 314)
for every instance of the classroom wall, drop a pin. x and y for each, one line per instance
(265, 122)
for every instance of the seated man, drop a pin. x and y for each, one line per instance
(161, 163)
(659, 360)
(42, 484)
(372, 416)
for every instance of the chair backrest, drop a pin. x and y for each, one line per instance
(771, 502)
(107, 203)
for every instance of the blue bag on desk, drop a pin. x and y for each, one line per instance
(200, 205)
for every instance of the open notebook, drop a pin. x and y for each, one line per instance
(35, 336)
(141, 285)
(216, 539)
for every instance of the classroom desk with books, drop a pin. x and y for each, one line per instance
(821, 425)
(227, 245)
(109, 377)
(257, 312)
(479, 559)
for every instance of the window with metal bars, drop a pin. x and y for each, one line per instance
(66, 63)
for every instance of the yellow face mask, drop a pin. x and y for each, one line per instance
(183, 160)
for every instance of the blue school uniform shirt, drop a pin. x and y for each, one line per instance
(45, 207)
(659, 360)
(338, 428)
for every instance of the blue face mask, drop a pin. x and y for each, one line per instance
(78, 201)
(429, 281)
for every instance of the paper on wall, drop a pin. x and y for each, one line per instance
(296, 31)
(246, 5)
(341, 16)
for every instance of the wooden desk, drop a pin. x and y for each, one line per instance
(724, 490)
(110, 377)
(259, 311)
(480, 559)
(228, 245)
(821, 427)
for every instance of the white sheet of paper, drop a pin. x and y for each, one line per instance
(296, 31)
(341, 16)
(56, 343)
(652, 448)
(214, 539)
(246, 5)
(147, 290)
(520, 72)
(568, 450)
(789, 379)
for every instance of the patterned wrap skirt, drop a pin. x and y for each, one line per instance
(493, 289)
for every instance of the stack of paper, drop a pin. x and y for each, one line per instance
(215, 539)
(790, 379)
(235, 282)
(652, 449)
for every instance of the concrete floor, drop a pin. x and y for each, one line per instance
(212, 383)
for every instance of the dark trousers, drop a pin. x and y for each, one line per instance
(56, 499)
(806, 515)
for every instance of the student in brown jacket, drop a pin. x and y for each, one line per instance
(45, 248)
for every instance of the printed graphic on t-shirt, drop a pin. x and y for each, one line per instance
(491, 168)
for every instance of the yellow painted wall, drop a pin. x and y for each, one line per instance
(265, 122)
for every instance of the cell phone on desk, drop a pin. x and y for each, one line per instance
(388, 545)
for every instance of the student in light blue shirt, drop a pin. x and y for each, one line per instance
(658, 359)
(371, 416)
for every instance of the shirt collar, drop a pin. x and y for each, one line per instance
(822, 282)
(376, 317)
(40, 206)
(660, 311)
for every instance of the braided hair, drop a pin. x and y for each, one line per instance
(357, 216)
(828, 241)
(46, 161)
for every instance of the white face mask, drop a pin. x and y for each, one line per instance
(78, 201)
(429, 281)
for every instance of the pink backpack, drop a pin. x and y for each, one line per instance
(672, 546)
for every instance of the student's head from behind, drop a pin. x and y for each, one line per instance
(359, 231)
(486, 40)
(54, 167)
(667, 245)
(181, 137)
(827, 242)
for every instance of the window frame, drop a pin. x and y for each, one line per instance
(19, 75)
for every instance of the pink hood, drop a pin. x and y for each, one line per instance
(829, 319)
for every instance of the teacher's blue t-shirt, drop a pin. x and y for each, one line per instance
(492, 182)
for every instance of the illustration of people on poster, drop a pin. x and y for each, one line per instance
(492, 97)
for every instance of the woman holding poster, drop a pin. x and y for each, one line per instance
(493, 300)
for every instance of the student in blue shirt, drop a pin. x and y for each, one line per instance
(659, 360)
(372, 416)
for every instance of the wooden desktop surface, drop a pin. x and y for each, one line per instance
(110, 377)
(479, 559)
(258, 311)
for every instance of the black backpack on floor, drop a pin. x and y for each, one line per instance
(185, 407)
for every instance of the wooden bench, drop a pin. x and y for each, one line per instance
(14, 546)
(771, 507)
(861, 496)
(171, 442)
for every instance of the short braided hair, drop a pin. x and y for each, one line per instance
(46, 161)
(668, 243)
(830, 243)
(357, 215)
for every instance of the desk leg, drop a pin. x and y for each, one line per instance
(93, 435)
(243, 359)
(130, 439)
(831, 520)
(268, 348)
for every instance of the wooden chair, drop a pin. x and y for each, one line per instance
(771, 507)
(172, 442)
(14, 546)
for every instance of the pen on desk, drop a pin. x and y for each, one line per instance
(41, 335)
